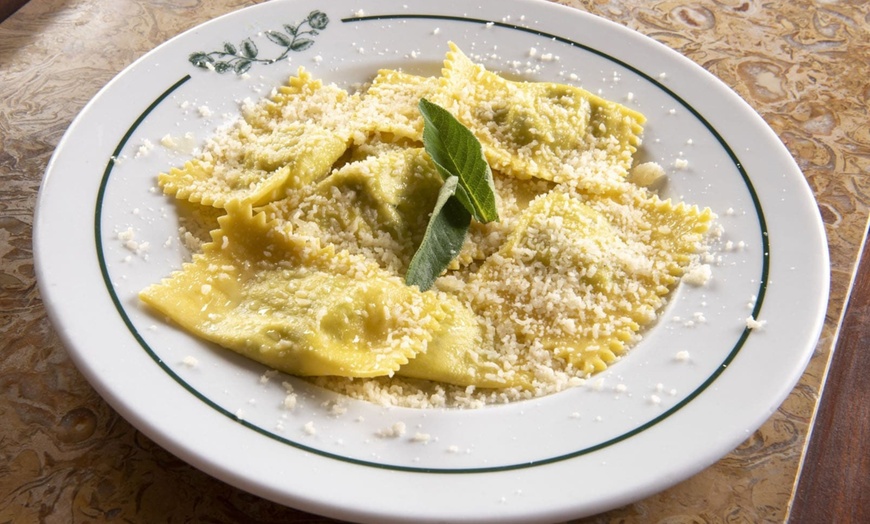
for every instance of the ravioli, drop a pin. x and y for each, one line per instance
(593, 277)
(377, 207)
(552, 131)
(286, 142)
(454, 357)
(396, 94)
(305, 311)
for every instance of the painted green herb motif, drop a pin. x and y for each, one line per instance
(240, 58)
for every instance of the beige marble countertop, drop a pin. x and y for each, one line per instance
(66, 456)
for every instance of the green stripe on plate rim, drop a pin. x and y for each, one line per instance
(508, 467)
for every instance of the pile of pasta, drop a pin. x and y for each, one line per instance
(325, 196)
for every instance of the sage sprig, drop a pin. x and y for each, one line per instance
(468, 191)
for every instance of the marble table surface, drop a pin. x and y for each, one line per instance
(66, 456)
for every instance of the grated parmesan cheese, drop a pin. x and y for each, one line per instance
(422, 438)
(647, 174)
(190, 361)
(754, 324)
(144, 149)
(128, 239)
(394, 431)
(698, 275)
(267, 376)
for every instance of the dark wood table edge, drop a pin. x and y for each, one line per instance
(833, 483)
(8, 7)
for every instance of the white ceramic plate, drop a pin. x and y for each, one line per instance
(648, 422)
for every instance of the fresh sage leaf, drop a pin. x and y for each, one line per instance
(443, 239)
(457, 152)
